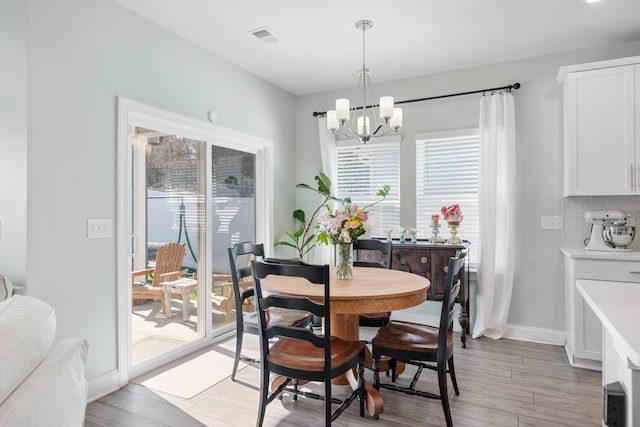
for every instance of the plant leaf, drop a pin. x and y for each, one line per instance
(384, 191)
(324, 184)
(286, 244)
(309, 240)
(298, 233)
(299, 215)
(323, 237)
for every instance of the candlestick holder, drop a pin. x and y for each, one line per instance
(435, 230)
(453, 230)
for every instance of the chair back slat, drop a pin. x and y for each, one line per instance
(295, 332)
(293, 303)
(364, 246)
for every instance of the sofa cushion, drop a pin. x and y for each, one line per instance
(27, 330)
(54, 394)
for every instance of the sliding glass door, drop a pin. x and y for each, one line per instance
(188, 192)
(169, 207)
(233, 194)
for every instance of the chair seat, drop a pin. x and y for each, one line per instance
(279, 316)
(298, 354)
(142, 290)
(410, 337)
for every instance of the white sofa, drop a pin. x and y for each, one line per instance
(40, 384)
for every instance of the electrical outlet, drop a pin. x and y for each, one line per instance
(551, 223)
(99, 228)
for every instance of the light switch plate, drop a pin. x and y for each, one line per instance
(99, 228)
(551, 222)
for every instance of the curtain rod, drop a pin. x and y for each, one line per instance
(509, 87)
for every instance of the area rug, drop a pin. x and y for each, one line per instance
(192, 375)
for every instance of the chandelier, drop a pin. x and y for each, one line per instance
(386, 117)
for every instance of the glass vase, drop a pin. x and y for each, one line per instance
(344, 261)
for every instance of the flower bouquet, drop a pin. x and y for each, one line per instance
(342, 228)
(452, 213)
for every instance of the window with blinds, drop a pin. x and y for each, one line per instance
(362, 170)
(447, 172)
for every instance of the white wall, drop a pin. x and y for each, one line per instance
(538, 296)
(13, 140)
(82, 55)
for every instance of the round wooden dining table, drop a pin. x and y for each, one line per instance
(372, 290)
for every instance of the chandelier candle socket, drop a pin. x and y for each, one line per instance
(387, 118)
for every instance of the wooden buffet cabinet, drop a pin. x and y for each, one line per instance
(431, 261)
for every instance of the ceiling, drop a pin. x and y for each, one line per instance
(320, 49)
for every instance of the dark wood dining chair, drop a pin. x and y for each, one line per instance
(423, 345)
(243, 292)
(373, 253)
(299, 353)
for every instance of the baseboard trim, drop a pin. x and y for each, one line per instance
(579, 362)
(531, 334)
(104, 384)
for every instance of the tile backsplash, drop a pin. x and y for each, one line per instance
(576, 229)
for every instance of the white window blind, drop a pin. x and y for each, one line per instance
(365, 168)
(447, 172)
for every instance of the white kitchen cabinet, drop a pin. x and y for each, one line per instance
(583, 328)
(601, 144)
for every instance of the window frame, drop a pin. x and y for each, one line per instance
(395, 202)
(423, 232)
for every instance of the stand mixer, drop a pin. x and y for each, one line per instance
(611, 231)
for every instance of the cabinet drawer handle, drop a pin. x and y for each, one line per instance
(445, 269)
(634, 272)
(424, 260)
(632, 177)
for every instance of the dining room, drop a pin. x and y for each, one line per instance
(423, 131)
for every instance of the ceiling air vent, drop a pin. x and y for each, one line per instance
(264, 35)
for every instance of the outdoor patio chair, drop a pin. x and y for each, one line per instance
(168, 267)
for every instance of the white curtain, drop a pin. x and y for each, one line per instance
(323, 254)
(496, 203)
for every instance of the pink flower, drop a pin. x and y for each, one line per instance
(452, 213)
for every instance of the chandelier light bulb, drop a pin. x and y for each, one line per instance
(396, 119)
(342, 109)
(386, 107)
(332, 121)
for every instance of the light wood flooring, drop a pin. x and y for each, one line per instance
(502, 383)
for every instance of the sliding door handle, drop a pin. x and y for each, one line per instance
(133, 245)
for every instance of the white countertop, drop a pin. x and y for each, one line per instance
(619, 256)
(617, 305)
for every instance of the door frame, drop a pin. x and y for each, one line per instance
(131, 114)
